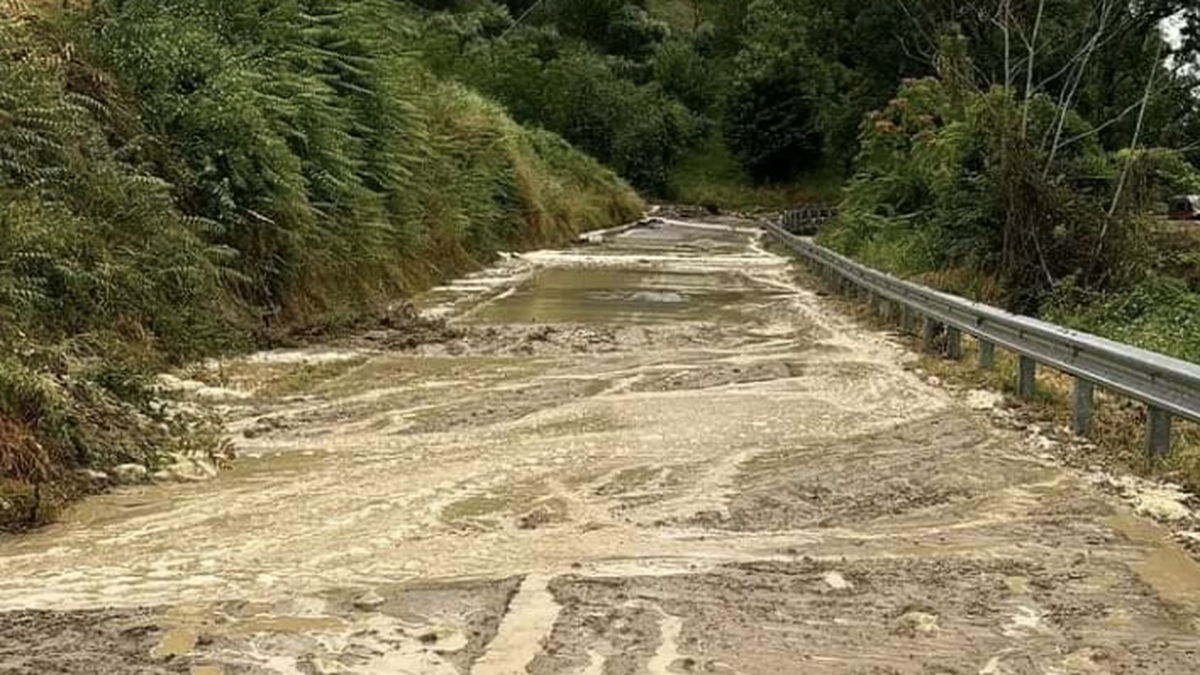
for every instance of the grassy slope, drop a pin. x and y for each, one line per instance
(88, 248)
(711, 176)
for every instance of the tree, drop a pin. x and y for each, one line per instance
(606, 99)
(806, 74)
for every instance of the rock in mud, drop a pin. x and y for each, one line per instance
(836, 581)
(199, 390)
(130, 474)
(535, 519)
(916, 624)
(369, 601)
(184, 469)
(94, 477)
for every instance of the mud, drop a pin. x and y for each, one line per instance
(654, 454)
(105, 641)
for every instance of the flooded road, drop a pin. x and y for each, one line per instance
(661, 454)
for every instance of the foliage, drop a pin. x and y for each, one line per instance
(618, 27)
(596, 102)
(88, 242)
(330, 160)
(1158, 313)
(807, 71)
(950, 178)
(805, 74)
(685, 74)
(183, 177)
(712, 177)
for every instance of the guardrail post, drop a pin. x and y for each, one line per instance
(1126, 370)
(987, 355)
(1026, 377)
(929, 331)
(1158, 433)
(1085, 405)
(953, 343)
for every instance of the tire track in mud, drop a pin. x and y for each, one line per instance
(656, 455)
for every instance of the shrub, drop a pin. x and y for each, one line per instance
(960, 178)
(1158, 313)
(89, 242)
(637, 129)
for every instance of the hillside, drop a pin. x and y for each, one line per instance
(181, 179)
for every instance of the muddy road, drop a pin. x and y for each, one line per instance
(660, 454)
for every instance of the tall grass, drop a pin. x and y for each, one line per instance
(179, 178)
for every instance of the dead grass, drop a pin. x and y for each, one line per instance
(22, 456)
(33, 484)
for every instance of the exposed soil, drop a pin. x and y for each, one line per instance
(102, 641)
(401, 326)
(654, 454)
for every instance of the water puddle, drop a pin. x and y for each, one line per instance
(599, 295)
(1164, 566)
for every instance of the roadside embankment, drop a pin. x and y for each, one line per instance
(180, 180)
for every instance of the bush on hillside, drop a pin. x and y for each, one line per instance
(1156, 313)
(604, 75)
(639, 130)
(771, 119)
(951, 178)
(88, 241)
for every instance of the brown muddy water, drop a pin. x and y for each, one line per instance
(658, 455)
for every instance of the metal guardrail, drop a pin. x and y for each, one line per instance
(806, 220)
(1169, 387)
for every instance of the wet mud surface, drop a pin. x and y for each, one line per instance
(659, 454)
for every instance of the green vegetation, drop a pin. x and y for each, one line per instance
(1161, 314)
(711, 176)
(658, 88)
(1022, 171)
(185, 177)
(585, 69)
(1015, 199)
